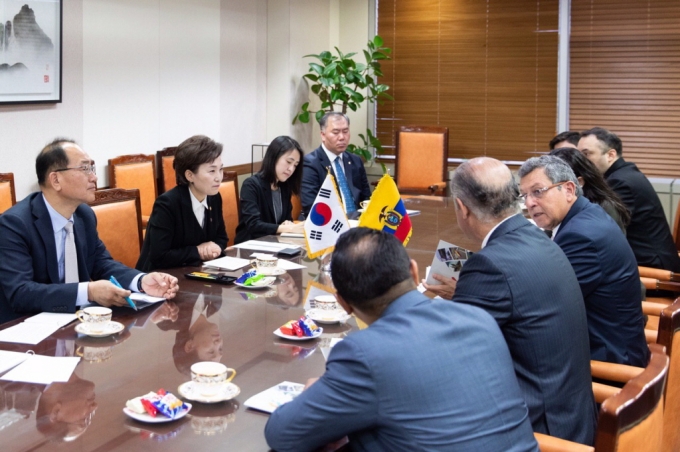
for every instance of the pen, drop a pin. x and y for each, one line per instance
(115, 282)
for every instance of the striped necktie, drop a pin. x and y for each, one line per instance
(344, 188)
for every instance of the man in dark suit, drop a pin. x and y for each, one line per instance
(648, 232)
(334, 141)
(51, 258)
(600, 255)
(526, 283)
(425, 375)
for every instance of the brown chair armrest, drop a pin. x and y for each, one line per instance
(602, 392)
(650, 308)
(547, 443)
(655, 284)
(651, 336)
(614, 372)
(661, 275)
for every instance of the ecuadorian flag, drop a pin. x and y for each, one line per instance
(386, 211)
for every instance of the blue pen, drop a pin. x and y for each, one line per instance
(115, 282)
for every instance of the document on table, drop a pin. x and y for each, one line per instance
(28, 332)
(274, 397)
(10, 359)
(43, 369)
(52, 318)
(293, 235)
(260, 245)
(227, 263)
(282, 263)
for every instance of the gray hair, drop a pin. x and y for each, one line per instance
(556, 169)
(324, 119)
(487, 202)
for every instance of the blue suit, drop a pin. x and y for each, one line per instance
(29, 272)
(526, 283)
(608, 275)
(315, 169)
(427, 375)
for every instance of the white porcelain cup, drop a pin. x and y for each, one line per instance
(208, 376)
(95, 318)
(326, 302)
(364, 204)
(266, 265)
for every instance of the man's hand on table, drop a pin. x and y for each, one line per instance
(160, 285)
(106, 293)
(445, 290)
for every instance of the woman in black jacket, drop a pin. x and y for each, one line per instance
(186, 225)
(266, 208)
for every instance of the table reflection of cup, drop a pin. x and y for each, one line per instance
(212, 419)
(266, 265)
(208, 376)
(326, 302)
(95, 318)
(94, 354)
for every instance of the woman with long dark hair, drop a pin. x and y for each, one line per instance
(266, 207)
(595, 188)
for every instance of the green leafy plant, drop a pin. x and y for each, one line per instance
(342, 84)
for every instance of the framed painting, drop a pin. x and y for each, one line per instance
(30, 51)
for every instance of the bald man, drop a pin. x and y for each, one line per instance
(526, 283)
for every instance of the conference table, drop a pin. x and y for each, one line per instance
(157, 348)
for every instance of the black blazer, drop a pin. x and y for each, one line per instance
(257, 218)
(173, 233)
(315, 170)
(648, 233)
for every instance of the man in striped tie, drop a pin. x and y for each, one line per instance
(348, 169)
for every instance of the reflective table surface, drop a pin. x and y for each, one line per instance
(205, 322)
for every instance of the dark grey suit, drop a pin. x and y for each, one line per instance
(527, 284)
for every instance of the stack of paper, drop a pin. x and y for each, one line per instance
(260, 245)
(35, 329)
(227, 263)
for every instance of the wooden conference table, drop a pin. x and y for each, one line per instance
(155, 351)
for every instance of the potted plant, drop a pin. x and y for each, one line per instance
(341, 84)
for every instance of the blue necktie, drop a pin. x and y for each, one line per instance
(344, 188)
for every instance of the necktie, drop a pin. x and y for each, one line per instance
(344, 188)
(70, 256)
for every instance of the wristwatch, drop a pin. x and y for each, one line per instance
(139, 284)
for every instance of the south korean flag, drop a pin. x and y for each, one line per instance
(326, 220)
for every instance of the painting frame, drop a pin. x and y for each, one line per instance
(39, 46)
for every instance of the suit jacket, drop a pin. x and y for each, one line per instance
(173, 233)
(648, 233)
(257, 217)
(608, 275)
(427, 375)
(526, 283)
(29, 272)
(316, 166)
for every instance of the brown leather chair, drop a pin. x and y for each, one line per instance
(165, 170)
(421, 160)
(135, 171)
(230, 203)
(629, 421)
(7, 193)
(297, 207)
(119, 223)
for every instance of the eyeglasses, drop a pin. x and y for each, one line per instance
(87, 169)
(539, 192)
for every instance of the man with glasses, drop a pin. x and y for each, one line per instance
(599, 254)
(526, 283)
(51, 258)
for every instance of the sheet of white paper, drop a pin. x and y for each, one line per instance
(28, 333)
(282, 263)
(272, 247)
(43, 369)
(10, 359)
(293, 235)
(420, 287)
(136, 296)
(52, 317)
(227, 263)
(274, 397)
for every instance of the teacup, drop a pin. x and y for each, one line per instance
(208, 376)
(364, 204)
(95, 318)
(266, 265)
(326, 302)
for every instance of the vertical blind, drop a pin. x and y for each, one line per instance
(486, 69)
(625, 76)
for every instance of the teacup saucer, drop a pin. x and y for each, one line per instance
(273, 271)
(226, 391)
(328, 316)
(109, 329)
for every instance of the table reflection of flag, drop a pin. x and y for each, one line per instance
(386, 211)
(326, 220)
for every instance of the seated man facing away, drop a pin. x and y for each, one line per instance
(425, 375)
(51, 257)
(526, 283)
(599, 253)
(648, 233)
(567, 139)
